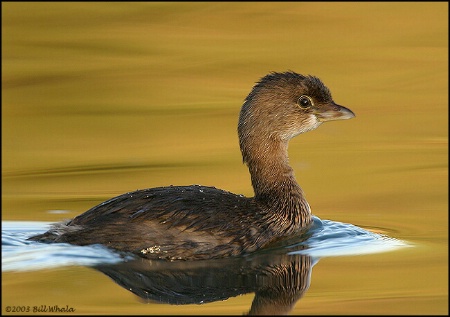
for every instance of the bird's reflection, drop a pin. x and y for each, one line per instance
(278, 279)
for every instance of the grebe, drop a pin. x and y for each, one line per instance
(199, 222)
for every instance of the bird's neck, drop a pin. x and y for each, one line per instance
(275, 186)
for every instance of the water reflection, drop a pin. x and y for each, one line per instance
(278, 275)
(278, 280)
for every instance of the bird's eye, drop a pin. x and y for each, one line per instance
(305, 101)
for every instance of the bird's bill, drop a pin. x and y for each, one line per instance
(333, 112)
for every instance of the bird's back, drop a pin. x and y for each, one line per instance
(175, 222)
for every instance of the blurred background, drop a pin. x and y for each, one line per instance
(99, 99)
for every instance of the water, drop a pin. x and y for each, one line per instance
(102, 99)
(328, 238)
(277, 276)
(18, 254)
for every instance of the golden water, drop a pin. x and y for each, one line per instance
(103, 98)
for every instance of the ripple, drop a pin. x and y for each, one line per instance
(328, 238)
(19, 254)
(332, 238)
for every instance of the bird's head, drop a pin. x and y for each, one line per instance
(283, 105)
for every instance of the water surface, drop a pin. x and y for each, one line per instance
(279, 275)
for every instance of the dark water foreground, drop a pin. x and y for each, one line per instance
(279, 276)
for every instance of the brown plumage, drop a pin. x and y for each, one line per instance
(199, 222)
